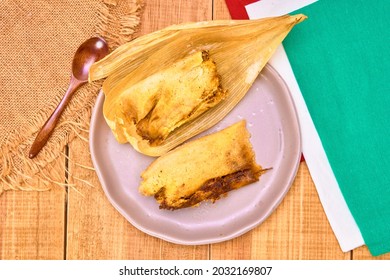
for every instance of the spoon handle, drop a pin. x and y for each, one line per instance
(48, 128)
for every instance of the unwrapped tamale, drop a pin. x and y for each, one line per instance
(202, 169)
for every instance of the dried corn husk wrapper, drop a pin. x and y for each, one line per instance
(240, 49)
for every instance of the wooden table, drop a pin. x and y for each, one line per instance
(69, 223)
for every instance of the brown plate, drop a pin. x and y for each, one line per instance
(275, 136)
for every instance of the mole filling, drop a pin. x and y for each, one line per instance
(213, 189)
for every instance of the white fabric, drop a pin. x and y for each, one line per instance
(271, 8)
(335, 207)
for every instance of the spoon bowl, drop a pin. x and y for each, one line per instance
(88, 53)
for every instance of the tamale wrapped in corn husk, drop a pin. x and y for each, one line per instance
(239, 49)
(203, 169)
(167, 99)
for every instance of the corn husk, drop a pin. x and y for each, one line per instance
(240, 49)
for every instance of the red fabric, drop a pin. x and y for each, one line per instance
(237, 8)
(237, 11)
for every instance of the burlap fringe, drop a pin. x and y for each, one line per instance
(118, 23)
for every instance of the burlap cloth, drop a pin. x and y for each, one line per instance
(37, 42)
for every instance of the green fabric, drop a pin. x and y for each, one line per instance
(340, 57)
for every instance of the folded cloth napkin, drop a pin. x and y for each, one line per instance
(341, 61)
(340, 57)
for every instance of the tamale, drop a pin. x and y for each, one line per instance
(239, 48)
(202, 169)
(167, 99)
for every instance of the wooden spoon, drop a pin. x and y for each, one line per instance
(89, 52)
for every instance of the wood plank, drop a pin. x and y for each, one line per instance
(162, 13)
(169, 251)
(362, 253)
(239, 248)
(220, 10)
(32, 223)
(101, 232)
(299, 229)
